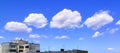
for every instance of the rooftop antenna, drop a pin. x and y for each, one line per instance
(77, 47)
(20, 38)
(48, 48)
(63, 47)
(45, 49)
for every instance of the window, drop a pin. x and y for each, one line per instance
(12, 50)
(26, 46)
(13, 46)
(38, 51)
(21, 46)
(20, 50)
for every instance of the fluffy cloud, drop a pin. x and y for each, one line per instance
(114, 30)
(118, 23)
(98, 20)
(37, 36)
(62, 37)
(34, 36)
(110, 49)
(81, 38)
(66, 19)
(96, 34)
(113, 50)
(17, 27)
(36, 20)
(1, 37)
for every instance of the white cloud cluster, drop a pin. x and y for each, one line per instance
(66, 19)
(36, 20)
(98, 20)
(17, 27)
(110, 49)
(37, 36)
(118, 23)
(34, 36)
(1, 37)
(63, 19)
(81, 38)
(96, 34)
(62, 37)
(114, 30)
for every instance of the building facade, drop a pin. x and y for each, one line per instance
(19, 46)
(68, 51)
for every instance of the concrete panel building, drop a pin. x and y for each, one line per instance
(19, 46)
(68, 51)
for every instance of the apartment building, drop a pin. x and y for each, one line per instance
(67, 51)
(19, 46)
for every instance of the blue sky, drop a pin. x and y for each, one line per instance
(71, 24)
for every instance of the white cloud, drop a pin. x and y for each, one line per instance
(1, 37)
(17, 27)
(36, 41)
(34, 36)
(114, 30)
(98, 20)
(20, 38)
(113, 50)
(118, 22)
(37, 36)
(62, 37)
(96, 34)
(36, 20)
(110, 49)
(66, 19)
(81, 38)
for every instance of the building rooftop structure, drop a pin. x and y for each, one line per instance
(67, 51)
(19, 46)
(23, 46)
